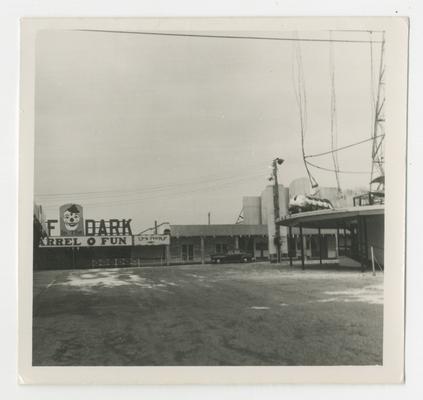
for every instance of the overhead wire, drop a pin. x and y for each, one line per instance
(342, 148)
(203, 35)
(333, 115)
(301, 97)
(212, 186)
(338, 171)
(148, 188)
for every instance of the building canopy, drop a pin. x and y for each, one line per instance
(330, 218)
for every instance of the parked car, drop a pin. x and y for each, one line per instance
(231, 258)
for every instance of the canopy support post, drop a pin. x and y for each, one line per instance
(290, 246)
(366, 244)
(302, 248)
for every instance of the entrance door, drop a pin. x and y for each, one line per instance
(187, 252)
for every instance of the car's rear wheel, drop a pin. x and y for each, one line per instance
(218, 261)
(245, 259)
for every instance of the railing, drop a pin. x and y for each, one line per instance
(369, 199)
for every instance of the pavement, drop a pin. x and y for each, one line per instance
(230, 314)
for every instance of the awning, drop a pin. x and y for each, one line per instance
(331, 218)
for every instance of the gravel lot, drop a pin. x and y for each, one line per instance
(245, 314)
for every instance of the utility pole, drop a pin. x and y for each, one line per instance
(208, 216)
(275, 163)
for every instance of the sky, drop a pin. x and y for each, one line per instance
(170, 128)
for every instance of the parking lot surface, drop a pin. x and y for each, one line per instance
(230, 314)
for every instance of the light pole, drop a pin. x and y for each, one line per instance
(277, 161)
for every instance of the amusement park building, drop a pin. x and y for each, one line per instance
(254, 234)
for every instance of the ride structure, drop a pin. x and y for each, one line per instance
(376, 187)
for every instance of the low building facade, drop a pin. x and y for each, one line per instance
(197, 243)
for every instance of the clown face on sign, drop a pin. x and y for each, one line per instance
(71, 220)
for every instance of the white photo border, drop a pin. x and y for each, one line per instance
(392, 370)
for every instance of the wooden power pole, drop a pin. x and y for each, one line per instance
(275, 163)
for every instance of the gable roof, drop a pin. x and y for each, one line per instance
(218, 230)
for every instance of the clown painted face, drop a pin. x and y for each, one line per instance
(71, 218)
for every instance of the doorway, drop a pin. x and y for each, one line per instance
(187, 252)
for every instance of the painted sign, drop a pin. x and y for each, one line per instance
(151, 240)
(86, 241)
(72, 224)
(71, 220)
(108, 227)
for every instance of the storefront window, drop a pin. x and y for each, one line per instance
(221, 248)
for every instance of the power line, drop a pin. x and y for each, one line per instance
(166, 195)
(148, 189)
(341, 148)
(198, 35)
(333, 115)
(301, 96)
(338, 171)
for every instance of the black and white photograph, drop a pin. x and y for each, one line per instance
(214, 195)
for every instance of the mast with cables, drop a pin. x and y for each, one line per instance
(300, 95)
(377, 135)
(333, 116)
(377, 174)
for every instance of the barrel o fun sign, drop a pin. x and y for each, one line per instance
(86, 241)
(77, 232)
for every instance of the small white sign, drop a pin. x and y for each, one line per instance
(151, 240)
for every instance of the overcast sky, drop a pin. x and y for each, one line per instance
(170, 128)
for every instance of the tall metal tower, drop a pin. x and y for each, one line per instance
(377, 175)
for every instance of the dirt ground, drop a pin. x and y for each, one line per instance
(246, 314)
